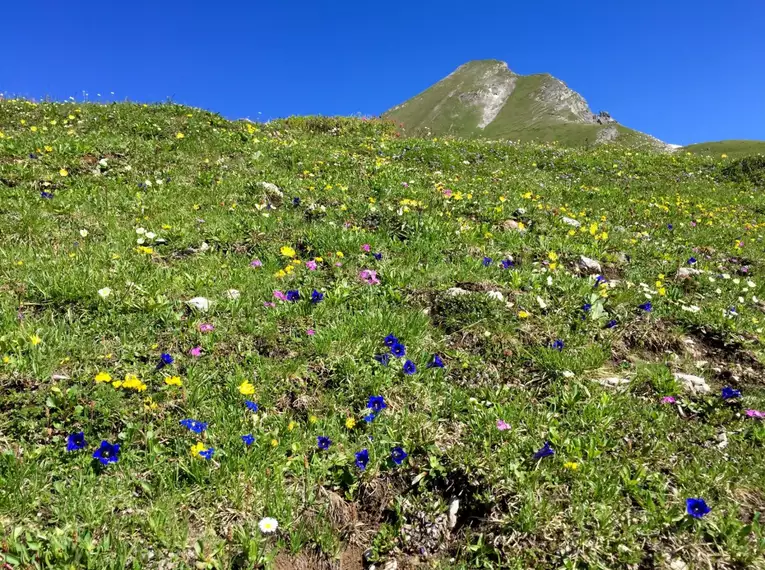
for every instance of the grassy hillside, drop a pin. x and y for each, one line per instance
(732, 148)
(234, 338)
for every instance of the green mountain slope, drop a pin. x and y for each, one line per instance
(485, 99)
(733, 148)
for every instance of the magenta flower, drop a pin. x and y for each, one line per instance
(369, 277)
(502, 425)
(311, 265)
(338, 264)
(447, 193)
(196, 351)
(268, 304)
(206, 327)
(366, 247)
(310, 332)
(256, 263)
(279, 295)
(668, 400)
(756, 414)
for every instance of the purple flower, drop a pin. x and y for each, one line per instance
(729, 393)
(586, 307)
(256, 263)
(369, 277)
(487, 261)
(279, 295)
(670, 227)
(502, 425)
(293, 295)
(311, 265)
(323, 442)
(697, 508)
(397, 454)
(668, 400)
(545, 451)
(755, 414)
(107, 453)
(248, 439)
(75, 441)
(194, 425)
(196, 351)
(206, 327)
(409, 367)
(647, 306)
(437, 362)
(382, 358)
(362, 458)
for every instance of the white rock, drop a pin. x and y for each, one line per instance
(693, 384)
(271, 188)
(570, 222)
(456, 291)
(613, 381)
(391, 565)
(722, 440)
(454, 506)
(199, 303)
(204, 247)
(233, 294)
(678, 564)
(589, 265)
(496, 295)
(687, 272)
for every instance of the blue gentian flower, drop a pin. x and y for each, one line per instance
(46, 195)
(32, 155)
(362, 458)
(729, 393)
(369, 418)
(75, 441)
(487, 261)
(248, 439)
(697, 508)
(194, 425)
(409, 367)
(296, 201)
(252, 406)
(390, 340)
(382, 358)
(323, 442)
(557, 345)
(107, 453)
(398, 350)
(732, 311)
(398, 455)
(293, 295)
(316, 297)
(436, 362)
(507, 263)
(611, 324)
(691, 261)
(545, 451)
(165, 359)
(207, 453)
(377, 256)
(647, 306)
(376, 404)
(670, 227)
(599, 280)
(586, 307)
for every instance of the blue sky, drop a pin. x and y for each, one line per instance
(684, 71)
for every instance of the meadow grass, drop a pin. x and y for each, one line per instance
(113, 217)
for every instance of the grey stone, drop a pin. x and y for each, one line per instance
(693, 384)
(570, 221)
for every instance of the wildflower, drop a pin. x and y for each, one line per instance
(362, 458)
(398, 455)
(75, 441)
(586, 307)
(268, 525)
(179, 135)
(670, 227)
(487, 261)
(293, 295)
(350, 423)
(600, 280)
(409, 367)
(84, 233)
(252, 406)
(63, 172)
(398, 350)
(729, 393)
(369, 277)
(196, 351)
(256, 263)
(611, 324)
(573, 466)
(755, 414)
(207, 453)
(107, 453)
(196, 449)
(668, 400)
(173, 381)
(377, 256)
(507, 264)
(246, 388)
(296, 201)
(390, 340)
(376, 404)
(647, 307)
(697, 508)
(103, 377)
(545, 451)
(523, 314)
(323, 442)
(382, 358)
(366, 247)
(502, 425)
(132, 382)
(165, 359)
(691, 261)
(194, 425)
(437, 362)
(46, 195)
(105, 292)
(35, 340)
(310, 332)
(279, 295)
(287, 251)
(248, 439)
(317, 297)
(311, 265)
(206, 327)
(369, 418)
(557, 345)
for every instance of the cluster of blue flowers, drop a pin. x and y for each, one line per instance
(105, 454)
(398, 350)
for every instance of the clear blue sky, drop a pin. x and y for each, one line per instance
(682, 70)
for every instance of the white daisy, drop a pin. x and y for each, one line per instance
(268, 525)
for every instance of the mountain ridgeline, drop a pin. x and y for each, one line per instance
(485, 99)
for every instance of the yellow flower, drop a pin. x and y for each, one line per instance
(723, 155)
(290, 426)
(35, 340)
(339, 254)
(571, 465)
(63, 172)
(196, 448)
(313, 419)
(173, 381)
(246, 388)
(274, 442)
(6, 359)
(523, 314)
(279, 274)
(132, 382)
(350, 423)
(287, 251)
(552, 256)
(103, 377)
(33, 129)
(144, 249)
(48, 148)
(179, 135)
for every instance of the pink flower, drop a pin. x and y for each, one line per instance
(446, 192)
(206, 327)
(311, 265)
(256, 263)
(756, 414)
(502, 425)
(693, 224)
(369, 277)
(279, 295)
(196, 351)
(268, 304)
(668, 400)
(338, 264)
(405, 185)
(310, 332)
(366, 247)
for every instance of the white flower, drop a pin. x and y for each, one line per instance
(147, 182)
(568, 374)
(105, 292)
(268, 525)
(140, 231)
(750, 284)
(140, 241)
(151, 235)
(84, 233)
